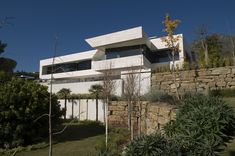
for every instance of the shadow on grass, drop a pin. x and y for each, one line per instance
(79, 131)
(231, 153)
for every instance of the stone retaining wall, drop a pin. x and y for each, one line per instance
(201, 80)
(147, 117)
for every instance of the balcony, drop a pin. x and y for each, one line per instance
(120, 63)
(72, 74)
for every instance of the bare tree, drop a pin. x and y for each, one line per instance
(131, 92)
(139, 96)
(202, 32)
(172, 42)
(108, 89)
(50, 104)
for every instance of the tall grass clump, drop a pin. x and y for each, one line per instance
(155, 95)
(202, 125)
(152, 145)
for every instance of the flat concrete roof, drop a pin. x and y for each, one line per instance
(128, 37)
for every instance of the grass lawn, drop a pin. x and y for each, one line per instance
(78, 140)
(70, 148)
(230, 149)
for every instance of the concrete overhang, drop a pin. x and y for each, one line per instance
(129, 37)
(87, 55)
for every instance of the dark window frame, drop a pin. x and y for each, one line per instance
(67, 67)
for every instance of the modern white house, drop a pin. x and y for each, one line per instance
(122, 52)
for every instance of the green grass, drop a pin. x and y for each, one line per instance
(230, 149)
(70, 148)
(81, 139)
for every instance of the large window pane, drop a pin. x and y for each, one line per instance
(67, 67)
(123, 51)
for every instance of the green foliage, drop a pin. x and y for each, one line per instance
(82, 96)
(151, 145)
(155, 95)
(171, 41)
(117, 138)
(4, 77)
(63, 93)
(7, 65)
(21, 102)
(31, 74)
(89, 96)
(223, 92)
(189, 66)
(215, 52)
(202, 125)
(2, 47)
(96, 90)
(162, 68)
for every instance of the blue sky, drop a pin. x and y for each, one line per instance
(36, 22)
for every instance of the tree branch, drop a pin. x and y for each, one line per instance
(40, 117)
(65, 127)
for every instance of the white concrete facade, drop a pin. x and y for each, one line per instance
(120, 51)
(84, 109)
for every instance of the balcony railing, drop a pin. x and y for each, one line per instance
(122, 62)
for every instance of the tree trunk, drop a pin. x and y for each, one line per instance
(173, 71)
(106, 123)
(104, 109)
(206, 55)
(96, 100)
(140, 118)
(205, 48)
(65, 107)
(79, 115)
(87, 109)
(132, 123)
(72, 108)
(129, 115)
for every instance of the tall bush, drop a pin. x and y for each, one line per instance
(202, 125)
(155, 95)
(21, 103)
(152, 145)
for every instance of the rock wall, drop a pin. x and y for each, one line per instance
(146, 117)
(201, 80)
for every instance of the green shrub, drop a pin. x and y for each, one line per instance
(21, 102)
(151, 145)
(117, 138)
(89, 96)
(154, 95)
(202, 125)
(223, 92)
(186, 65)
(162, 68)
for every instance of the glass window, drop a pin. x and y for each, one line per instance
(67, 67)
(123, 51)
(159, 56)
